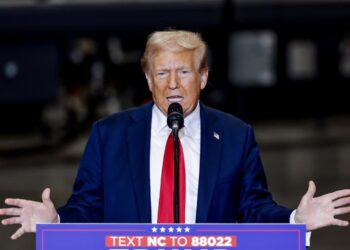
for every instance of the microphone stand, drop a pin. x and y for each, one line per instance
(175, 134)
(175, 121)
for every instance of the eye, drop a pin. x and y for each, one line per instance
(184, 72)
(161, 73)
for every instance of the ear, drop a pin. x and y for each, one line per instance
(204, 78)
(149, 81)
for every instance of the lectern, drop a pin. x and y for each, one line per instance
(170, 237)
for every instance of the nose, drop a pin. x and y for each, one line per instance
(173, 81)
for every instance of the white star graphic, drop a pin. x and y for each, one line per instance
(154, 229)
(187, 229)
(179, 229)
(162, 229)
(171, 229)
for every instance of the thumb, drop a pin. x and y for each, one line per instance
(45, 196)
(310, 193)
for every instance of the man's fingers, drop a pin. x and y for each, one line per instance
(10, 211)
(3, 211)
(341, 202)
(338, 194)
(340, 223)
(12, 220)
(342, 210)
(45, 196)
(18, 233)
(18, 202)
(311, 190)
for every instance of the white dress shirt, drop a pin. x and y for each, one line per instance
(190, 136)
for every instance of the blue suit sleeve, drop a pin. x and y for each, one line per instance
(256, 203)
(86, 201)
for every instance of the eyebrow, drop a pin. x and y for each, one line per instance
(167, 68)
(184, 67)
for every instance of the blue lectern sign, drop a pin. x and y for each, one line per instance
(170, 237)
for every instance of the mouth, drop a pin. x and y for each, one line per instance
(175, 98)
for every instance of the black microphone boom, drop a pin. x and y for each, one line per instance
(175, 118)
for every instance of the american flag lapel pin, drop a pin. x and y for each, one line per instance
(216, 136)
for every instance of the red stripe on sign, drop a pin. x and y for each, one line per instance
(171, 241)
(125, 241)
(212, 241)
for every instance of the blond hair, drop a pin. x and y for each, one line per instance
(175, 41)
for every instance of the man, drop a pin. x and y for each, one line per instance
(120, 176)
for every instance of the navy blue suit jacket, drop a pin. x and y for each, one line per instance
(113, 181)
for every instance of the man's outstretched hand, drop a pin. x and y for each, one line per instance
(318, 212)
(28, 213)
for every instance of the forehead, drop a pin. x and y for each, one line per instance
(165, 58)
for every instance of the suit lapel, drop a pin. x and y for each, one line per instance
(139, 134)
(210, 153)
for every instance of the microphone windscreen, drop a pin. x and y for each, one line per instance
(175, 114)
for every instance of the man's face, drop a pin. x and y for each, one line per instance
(174, 77)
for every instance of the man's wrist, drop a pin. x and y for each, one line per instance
(57, 219)
(292, 220)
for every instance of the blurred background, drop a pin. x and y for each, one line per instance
(283, 66)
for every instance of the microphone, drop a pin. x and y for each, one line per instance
(175, 121)
(175, 118)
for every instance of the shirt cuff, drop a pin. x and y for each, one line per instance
(308, 234)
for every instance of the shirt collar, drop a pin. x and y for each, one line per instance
(159, 120)
(191, 122)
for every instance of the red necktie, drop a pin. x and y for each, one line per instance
(166, 197)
